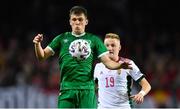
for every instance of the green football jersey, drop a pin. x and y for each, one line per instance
(76, 74)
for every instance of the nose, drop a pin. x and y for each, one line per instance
(77, 22)
(109, 48)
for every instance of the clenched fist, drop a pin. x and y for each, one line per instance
(37, 39)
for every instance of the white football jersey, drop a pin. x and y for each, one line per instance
(115, 85)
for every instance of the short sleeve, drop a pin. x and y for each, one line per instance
(54, 45)
(100, 47)
(135, 73)
(97, 70)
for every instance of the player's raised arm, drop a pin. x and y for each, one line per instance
(41, 53)
(114, 65)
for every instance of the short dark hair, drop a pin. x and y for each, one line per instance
(78, 10)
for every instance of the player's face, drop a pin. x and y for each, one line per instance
(78, 23)
(113, 45)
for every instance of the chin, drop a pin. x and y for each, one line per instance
(78, 32)
(111, 57)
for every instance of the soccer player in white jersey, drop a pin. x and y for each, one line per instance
(115, 85)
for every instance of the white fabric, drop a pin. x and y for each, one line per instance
(113, 86)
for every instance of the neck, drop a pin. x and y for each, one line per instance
(115, 58)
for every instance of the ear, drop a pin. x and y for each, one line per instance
(70, 22)
(119, 47)
(86, 21)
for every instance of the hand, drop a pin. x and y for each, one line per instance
(126, 65)
(138, 98)
(38, 38)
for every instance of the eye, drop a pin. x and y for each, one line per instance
(74, 19)
(80, 19)
(112, 45)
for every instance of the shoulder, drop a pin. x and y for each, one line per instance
(62, 35)
(100, 65)
(98, 68)
(126, 59)
(92, 35)
(135, 68)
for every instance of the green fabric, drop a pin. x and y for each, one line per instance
(77, 99)
(76, 74)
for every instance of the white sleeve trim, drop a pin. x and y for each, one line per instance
(53, 52)
(103, 54)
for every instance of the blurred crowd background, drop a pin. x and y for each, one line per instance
(150, 36)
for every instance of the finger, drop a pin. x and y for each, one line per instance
(132, 96)
(36, 41)
(130, 67)
(40, 35)
(139, 100)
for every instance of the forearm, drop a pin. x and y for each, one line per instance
(145, 90)
(109, 63)
(112, 65)
(39, 51)
(146, 87)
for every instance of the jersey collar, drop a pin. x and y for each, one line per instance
(78, 35)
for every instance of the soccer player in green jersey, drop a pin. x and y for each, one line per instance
(77, 88)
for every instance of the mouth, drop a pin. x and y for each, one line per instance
(77, 28)
(111, 53)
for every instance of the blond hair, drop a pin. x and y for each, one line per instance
(112, 35)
